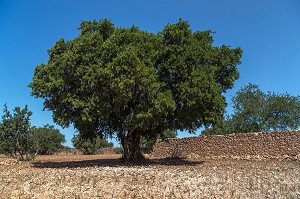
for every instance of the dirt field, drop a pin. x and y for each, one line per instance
(103, 176)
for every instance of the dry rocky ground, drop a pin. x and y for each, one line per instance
(104, 176)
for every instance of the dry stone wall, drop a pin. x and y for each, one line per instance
(281, 144)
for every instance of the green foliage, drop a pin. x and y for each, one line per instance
(256, 111)
(119, 150)
(148, 141)
(132, 83)
(90, 146)
(16, 139)
(21, 141)
(47, 139)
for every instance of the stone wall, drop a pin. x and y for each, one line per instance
(283, 144)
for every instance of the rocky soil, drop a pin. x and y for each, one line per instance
(104, 176)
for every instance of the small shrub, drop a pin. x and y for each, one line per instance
(16, 139)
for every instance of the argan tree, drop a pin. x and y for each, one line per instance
(16, 139)
(131, 83)
(256, 111)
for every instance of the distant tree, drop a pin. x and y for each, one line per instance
(148, 142)
(16, 139)
(132, 83)
(66, 147)
(47, 139)
(281, 112)
(90, 146)
(256, 111)
(219, 128)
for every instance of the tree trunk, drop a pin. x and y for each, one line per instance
(131, 147)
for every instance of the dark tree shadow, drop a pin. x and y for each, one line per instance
(78, 164)
(174, 161)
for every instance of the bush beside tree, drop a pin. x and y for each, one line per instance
(48, 139)
(21, 141)
(90, 146)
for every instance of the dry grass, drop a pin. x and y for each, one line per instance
(106, 177)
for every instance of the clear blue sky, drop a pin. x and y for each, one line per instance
(268, 31)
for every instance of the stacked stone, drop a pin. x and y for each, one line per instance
(280, 144)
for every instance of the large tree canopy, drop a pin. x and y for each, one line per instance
(129, 82)
(256, 111)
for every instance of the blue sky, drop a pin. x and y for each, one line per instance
(268, 31)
